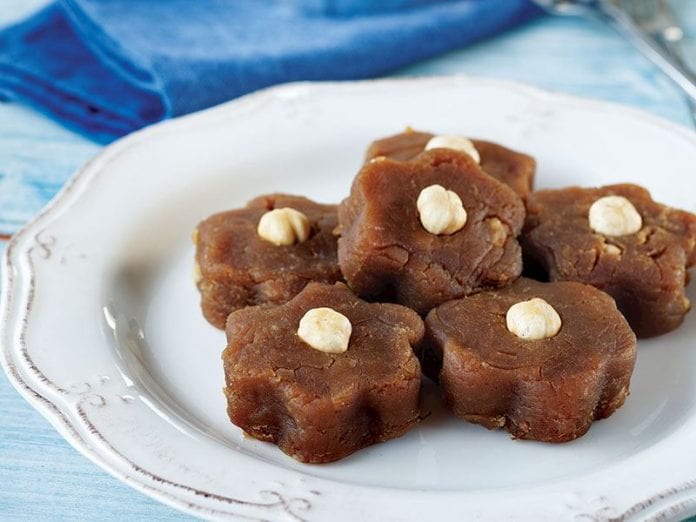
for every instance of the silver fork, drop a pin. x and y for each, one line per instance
(614, 12)
(656, 18)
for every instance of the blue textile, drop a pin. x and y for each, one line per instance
(107, 67)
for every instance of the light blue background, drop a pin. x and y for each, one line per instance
(41, 476)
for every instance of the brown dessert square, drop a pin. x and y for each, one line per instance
(511, 167)
(541, 360)
(324, 374)
(428, 230)
(619, 240)
(237, 267)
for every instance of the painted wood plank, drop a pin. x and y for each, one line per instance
(41, 476)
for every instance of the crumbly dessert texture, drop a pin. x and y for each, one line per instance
(237, 266)
(513, 168)
(385, 246)
(548, 389)
(432, 222)
(315, 405)
(639, 251)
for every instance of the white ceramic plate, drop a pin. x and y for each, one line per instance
(102, 333)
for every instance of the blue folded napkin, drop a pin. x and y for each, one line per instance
(108, 67)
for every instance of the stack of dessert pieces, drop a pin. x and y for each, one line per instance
(524, 306)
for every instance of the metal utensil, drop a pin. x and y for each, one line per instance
(656, 18)
(614, 13)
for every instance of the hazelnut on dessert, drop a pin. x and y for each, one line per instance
(619, 240)
(284, 226)
(513, 168)
(263, 253)
(428, 230)
(324, 374)
(540, 360)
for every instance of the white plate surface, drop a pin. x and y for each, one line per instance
(102, 333)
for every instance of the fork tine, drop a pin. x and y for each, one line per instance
(656, 18)
(673, 33)
(640, 10)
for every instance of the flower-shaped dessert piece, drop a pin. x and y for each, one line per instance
(512, 168)
(264, 253)
(428, 230)
(541, 360)
(324, 374)
(621, 241)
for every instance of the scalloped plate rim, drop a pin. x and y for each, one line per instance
(684, 500)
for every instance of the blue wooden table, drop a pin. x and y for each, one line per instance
(41, 476)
